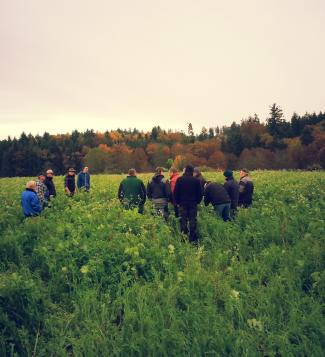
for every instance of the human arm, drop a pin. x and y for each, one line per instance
(35, 203)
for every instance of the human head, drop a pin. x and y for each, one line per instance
(159, 170)
(85, 169)
(132, 172)
(49, 173)
(227, 173)
(31, 185)
(196, 172)
(173, 171)
(41, 177)
(243, 172)
(189, 170)
(71, 171)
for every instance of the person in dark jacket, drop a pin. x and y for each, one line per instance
(198, 175)
(158, 191)
(188, 194)
(132, 192)
(217, 195)
(232, 188)
(49, 183)
(83, 181)
(29, 201)
(70, 182)
(246, 189)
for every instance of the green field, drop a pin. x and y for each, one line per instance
(89, 279)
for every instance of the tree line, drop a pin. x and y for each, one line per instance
(276, 143)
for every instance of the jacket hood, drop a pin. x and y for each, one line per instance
(245, 179)
(158, 178)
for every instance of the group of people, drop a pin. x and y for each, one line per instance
(38, 194)
(185, 192)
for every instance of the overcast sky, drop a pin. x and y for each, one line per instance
(77, 64)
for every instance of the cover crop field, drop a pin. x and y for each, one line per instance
(89, 279)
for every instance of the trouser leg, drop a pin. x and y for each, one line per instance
(226, 212)
(141, 208)
(183, 219)
(176, 210)
(192, 214)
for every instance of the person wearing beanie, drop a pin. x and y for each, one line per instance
(70, 182)
(232, 188)
(188, 194)
(158, 191)
(29, 201)
(246, 189)
(49, 183)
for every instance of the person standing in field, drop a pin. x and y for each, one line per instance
(246, 189)
(70, 182)
(132, 192)
(29, 201)
(49, 183)
(188, 194)
(217, 195)
(232, 188)
(174, 176)
(42, 191)
(198, 175)
(158, 191)
(83, 181)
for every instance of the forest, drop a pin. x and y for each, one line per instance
(274, 143)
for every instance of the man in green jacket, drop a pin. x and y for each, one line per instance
(132, 192)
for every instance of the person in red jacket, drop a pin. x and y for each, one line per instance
(174, 176)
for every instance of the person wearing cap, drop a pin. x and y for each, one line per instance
(70, 182)
(188, 194)
(217, 195)
(246, 189)
(29, 201)
(174, 176)
(158, 191)
(41, 190)
(83, 181)
(132, 192)
(198, 175)
(49, 183)
(232, 188)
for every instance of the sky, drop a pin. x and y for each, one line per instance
(104, 64)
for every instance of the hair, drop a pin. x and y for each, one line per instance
(159, 169)
(196, 170)
(189, 169)
(173, 170)
(41, 174)
(49, 171)
(245, 170)
(132, 172)
(30, 184)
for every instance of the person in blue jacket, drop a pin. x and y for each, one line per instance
(29, 200)
(83, 181)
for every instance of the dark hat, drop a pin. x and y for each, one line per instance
(227, 173)
(189, 169)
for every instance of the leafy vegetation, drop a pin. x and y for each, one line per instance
(90, 279)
